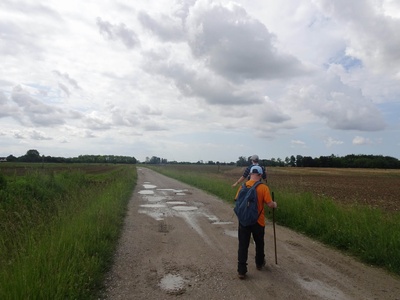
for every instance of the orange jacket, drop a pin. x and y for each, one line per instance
(263, 196)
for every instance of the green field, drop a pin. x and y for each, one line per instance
(59, 227)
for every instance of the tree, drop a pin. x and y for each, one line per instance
(299, 161)
(31, 156)
(11, 158)
(242, 161)
(292, 161)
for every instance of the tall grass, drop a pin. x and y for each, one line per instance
(62, 243)
(369, 234)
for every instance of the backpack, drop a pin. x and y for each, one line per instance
(246, 205)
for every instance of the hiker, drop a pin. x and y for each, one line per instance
(258, 229)
(254, 162)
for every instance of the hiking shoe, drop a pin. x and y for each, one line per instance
(241, 276)
(259, 267)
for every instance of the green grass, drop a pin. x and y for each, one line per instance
(68, 224)
(371, 235)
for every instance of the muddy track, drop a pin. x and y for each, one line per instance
(179, 242)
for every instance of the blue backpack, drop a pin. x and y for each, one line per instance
(246, 205)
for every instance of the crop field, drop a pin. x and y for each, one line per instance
(371, 187)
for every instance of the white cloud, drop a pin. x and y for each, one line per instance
(164, 78)
(329, 142)
(359, 140)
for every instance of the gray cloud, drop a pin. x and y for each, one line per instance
(118, 32)
(342, 107)
(373, 37)
(34, 110)
(66, 78)
(167, 28)
(38, 135)
(346, 113)
(236, 46)
(192, 83)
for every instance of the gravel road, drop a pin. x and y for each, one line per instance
(181, 243)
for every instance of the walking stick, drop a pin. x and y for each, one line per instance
(273, 224)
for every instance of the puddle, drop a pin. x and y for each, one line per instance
(184, 208)
(222, 223)
(232, 233)
(173, 284)
(149, 186)
(153, 205)
(176, 202)
(320, 288)
(158, 216)
(177, 192)
(154, 198)
(146, 192)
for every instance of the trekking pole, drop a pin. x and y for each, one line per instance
(273, 224)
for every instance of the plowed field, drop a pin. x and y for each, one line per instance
(376, 188)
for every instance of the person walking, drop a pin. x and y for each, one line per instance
(254, 162)
(258, 229)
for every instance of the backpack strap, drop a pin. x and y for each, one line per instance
(255, 186)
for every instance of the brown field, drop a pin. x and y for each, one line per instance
(372, 187)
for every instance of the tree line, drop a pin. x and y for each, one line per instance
(35, 157)
(332, 161)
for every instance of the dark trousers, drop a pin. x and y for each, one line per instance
(245, 233)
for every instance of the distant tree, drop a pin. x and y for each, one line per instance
(11, 158)
(31, 156)
(242, 161)
(299, 161)
(292, 161)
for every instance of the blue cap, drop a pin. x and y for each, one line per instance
(256, 170)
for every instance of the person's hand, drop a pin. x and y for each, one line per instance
(235, 184)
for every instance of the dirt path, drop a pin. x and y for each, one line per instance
(179, 242)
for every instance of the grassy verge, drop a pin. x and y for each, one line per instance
(369, 234)
(59, 231)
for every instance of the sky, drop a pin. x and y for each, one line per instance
(200, 80)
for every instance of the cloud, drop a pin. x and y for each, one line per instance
(38, 135)
(296, 143)
(372, 36)
(66, 78)
(166, 27)
(359, 140)
(118, 32)
(329, 142)
(236, 46)
(172, 73)
(197, 82)
(34, 111)
(343, 107)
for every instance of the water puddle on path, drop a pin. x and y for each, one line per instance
(232, 233)
(146, 192)
(149, 186)
(154, 198)
(222, 223)
(176, 202)
(184, 208)
(172, 284)
(176, 192)
(320, 288)
(153, 205)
